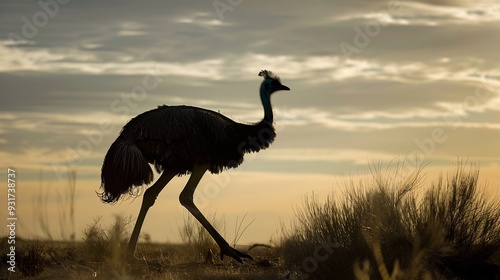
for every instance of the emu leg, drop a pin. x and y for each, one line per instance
(147, 201)
(186, 199)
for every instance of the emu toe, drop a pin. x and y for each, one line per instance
(233, 253)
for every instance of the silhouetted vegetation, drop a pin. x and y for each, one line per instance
(105, 244)
(31, 260)
(387, 229)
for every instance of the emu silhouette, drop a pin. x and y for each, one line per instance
(179, 140)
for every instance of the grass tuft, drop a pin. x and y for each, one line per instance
(31, 260)
(106, 244)
(197, 238)
(388, 231)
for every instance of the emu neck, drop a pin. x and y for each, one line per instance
(268, 110)
(259, 135)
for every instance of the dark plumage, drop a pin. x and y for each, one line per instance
(180, 140)
(175, 138)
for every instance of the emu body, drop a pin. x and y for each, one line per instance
(181, 140)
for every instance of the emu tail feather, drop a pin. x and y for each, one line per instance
(124, 168)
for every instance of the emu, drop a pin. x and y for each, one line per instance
(181, 140)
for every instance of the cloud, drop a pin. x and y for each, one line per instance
(202, 19)
(312, 69)
(419, 13)
(45, 61)
(326, 155)
(431, 66)
(398, 83)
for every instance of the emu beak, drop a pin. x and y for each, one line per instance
(283, 87)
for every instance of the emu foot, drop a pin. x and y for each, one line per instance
(233, 253)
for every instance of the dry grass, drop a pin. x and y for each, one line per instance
(386, 228)
(383, 230)
(100, 256)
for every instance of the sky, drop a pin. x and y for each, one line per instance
(373, 83)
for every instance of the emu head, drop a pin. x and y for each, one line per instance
(271, 83)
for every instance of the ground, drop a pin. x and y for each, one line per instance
(68, 260)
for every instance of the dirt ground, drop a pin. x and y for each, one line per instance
(66, 261)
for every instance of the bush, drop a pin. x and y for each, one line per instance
(388, 231)
(31, 260)
(106, 244)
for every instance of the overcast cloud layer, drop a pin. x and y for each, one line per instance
(371, 80)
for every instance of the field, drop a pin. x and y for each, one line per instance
(383, 228)
(63, 260)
